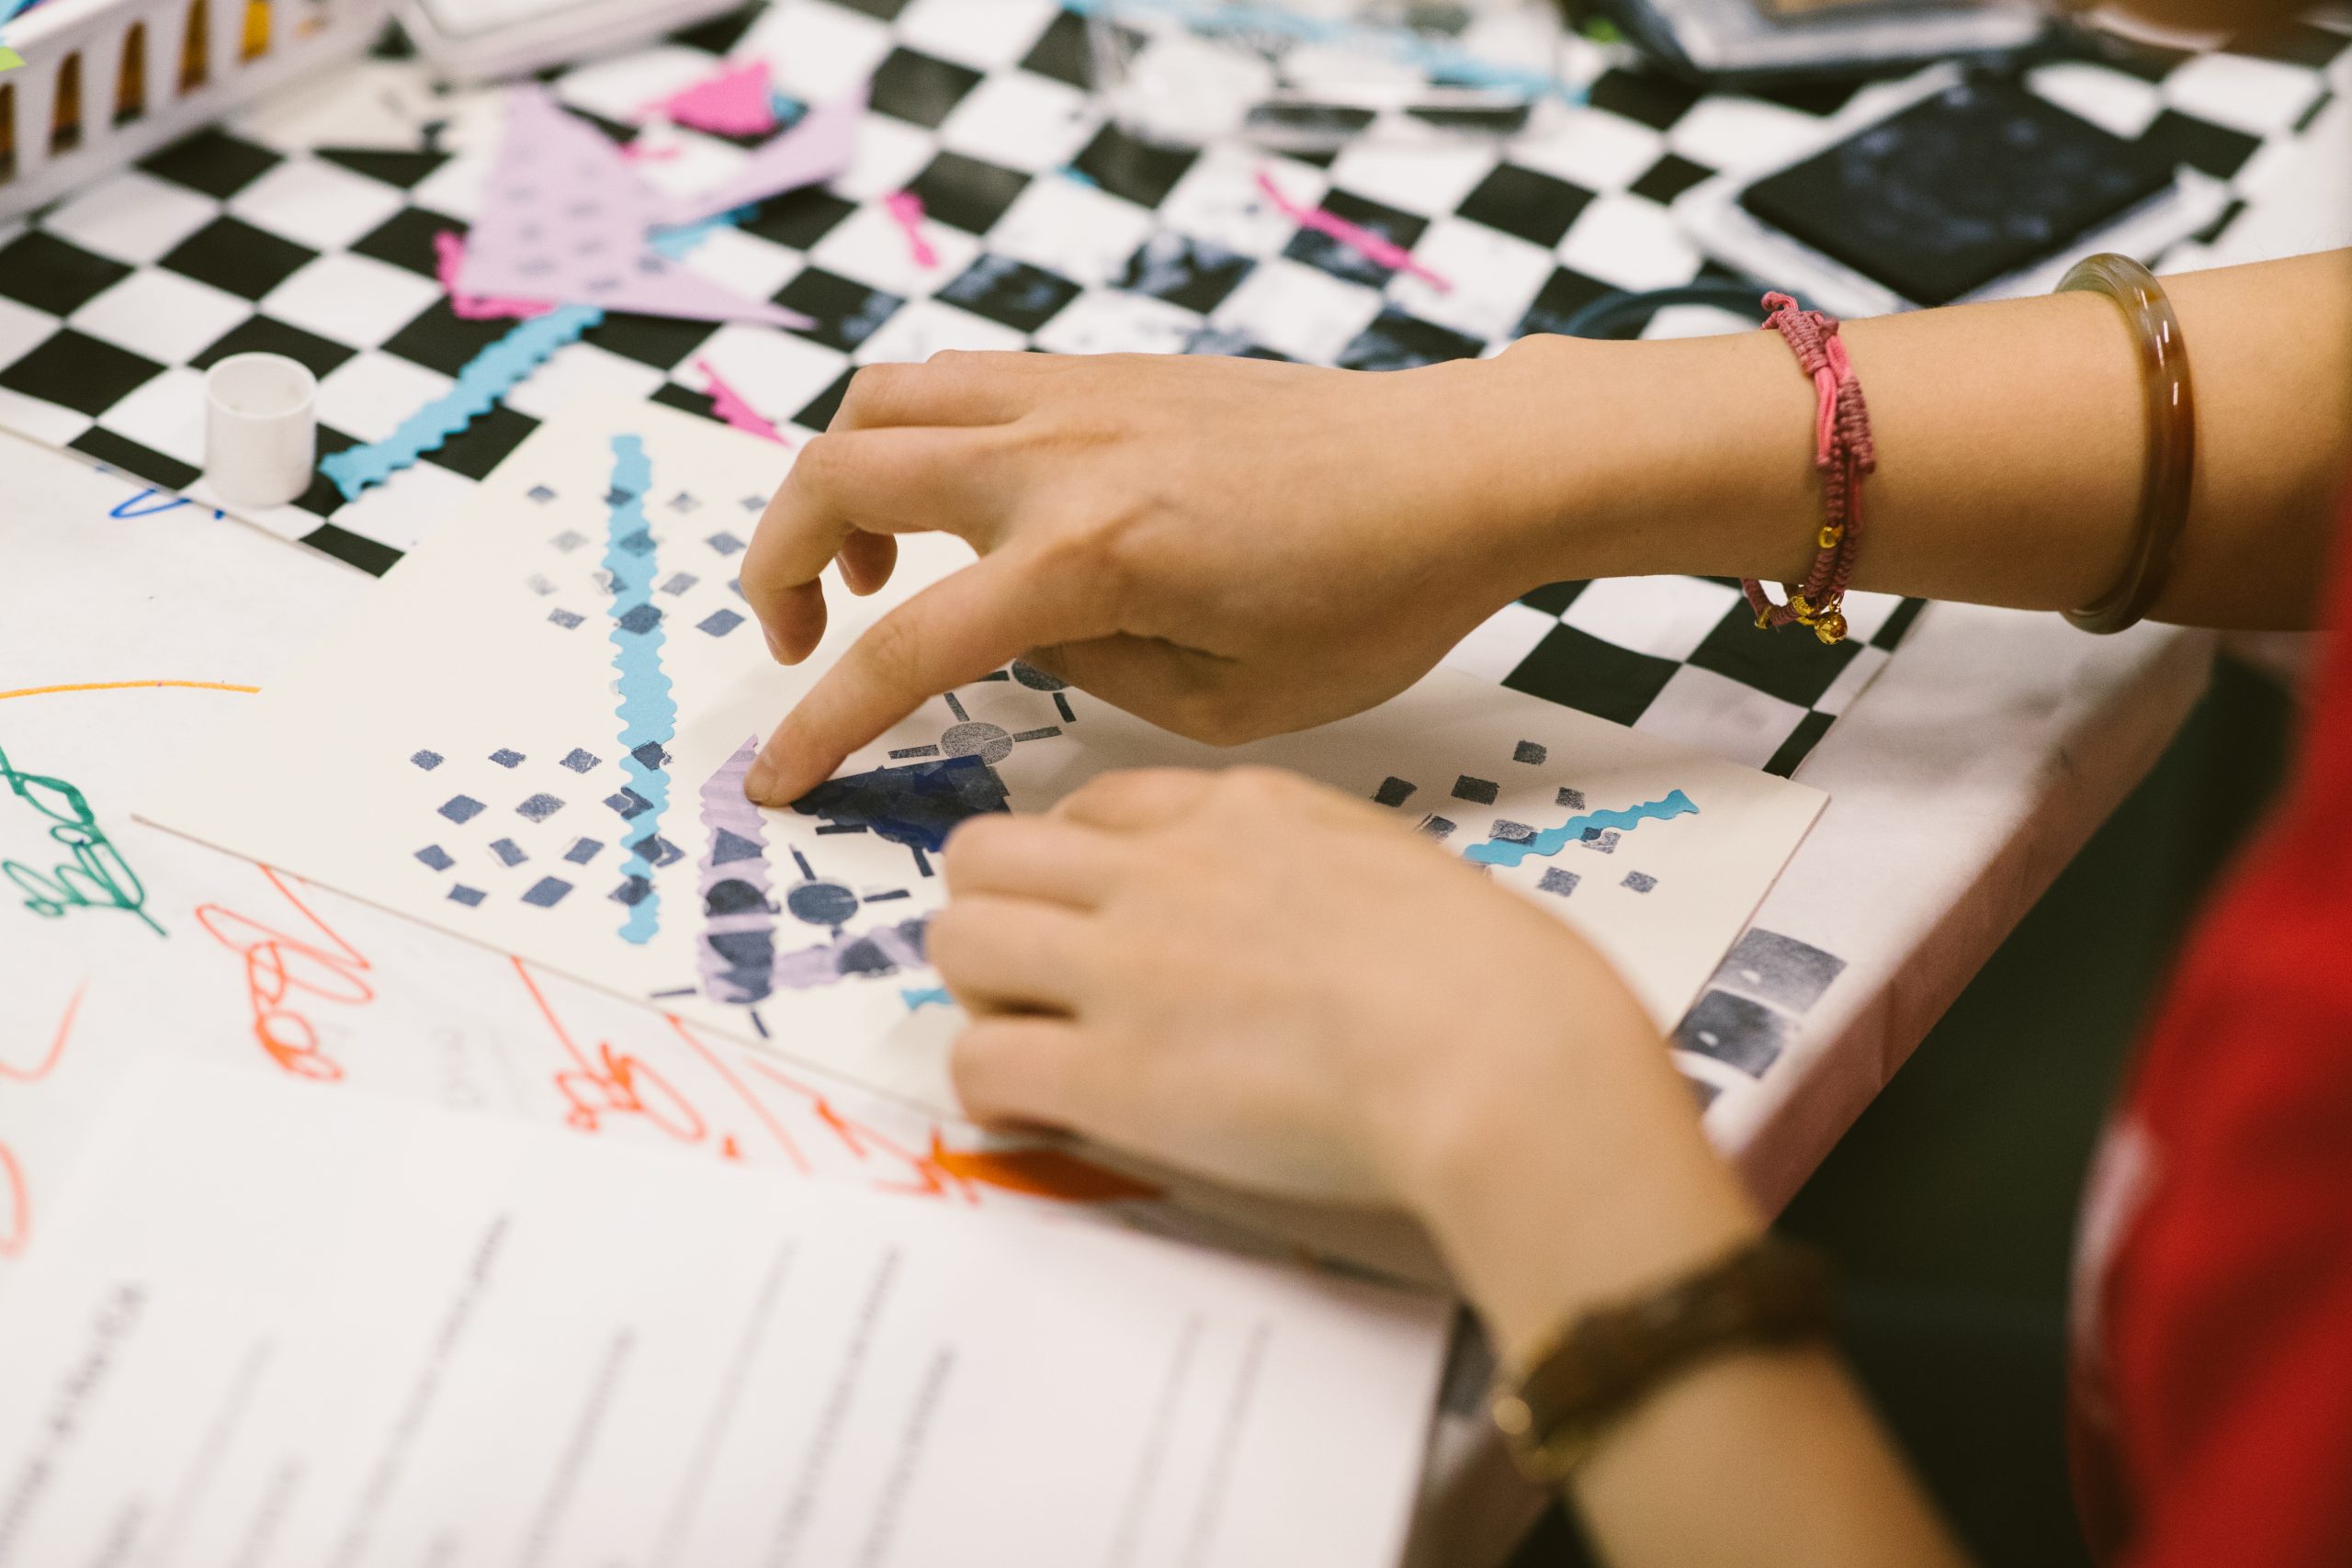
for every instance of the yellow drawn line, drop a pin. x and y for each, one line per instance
(126, 685)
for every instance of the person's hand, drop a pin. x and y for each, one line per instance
(1227, 548)
(1257, 979)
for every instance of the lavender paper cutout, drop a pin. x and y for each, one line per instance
(815, 150)
(566, 218)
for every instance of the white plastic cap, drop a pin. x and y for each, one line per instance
(261, 429)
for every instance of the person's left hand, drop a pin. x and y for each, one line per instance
(1257, 978)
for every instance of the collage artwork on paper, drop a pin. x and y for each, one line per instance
(535, 732)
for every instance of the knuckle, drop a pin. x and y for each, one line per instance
(892, 650)
(872, 389)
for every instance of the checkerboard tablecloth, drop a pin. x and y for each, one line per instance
(306, 226)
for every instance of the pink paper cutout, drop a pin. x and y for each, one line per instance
(821, 146)
(736, 102)
(906, 208)
(1376, 248)
(449, 257)
(729, 405)
(565, 220)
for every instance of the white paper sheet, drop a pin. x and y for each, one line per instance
(461, 750)
(260, 970)
(279, 1328)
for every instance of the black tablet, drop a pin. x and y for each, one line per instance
(1977, 182)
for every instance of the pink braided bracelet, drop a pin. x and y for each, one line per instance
(1844, 452)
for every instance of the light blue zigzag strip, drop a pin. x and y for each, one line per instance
(490, 376)
(647, 713)
(1552, 841)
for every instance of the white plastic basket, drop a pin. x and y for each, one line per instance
(107, 81)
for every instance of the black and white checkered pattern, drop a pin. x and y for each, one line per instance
(308, 230)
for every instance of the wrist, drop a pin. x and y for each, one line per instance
(1680, 455)
(1573, 1176)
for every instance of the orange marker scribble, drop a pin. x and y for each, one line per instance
(1040, 1173)
(15, 1205)
(929, 1180)
(15, 1200)
(40, 1069)
(718, 1064)
(611, 1084)
(126, 686)
(278, 966)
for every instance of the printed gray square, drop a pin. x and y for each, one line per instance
(1571, 798)
(540, 807)
(436, 857)
(1530, 752)
(1477, 792)
(508, 852)
(1779, 969)
(1734, 1031)
(1557, 881)
(462, 809)
(1639, 881)
(1392, 791)
(546, 891)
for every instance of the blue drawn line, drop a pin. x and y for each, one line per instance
(649, 718)
(925, 996)
(490, 374)
(1449, 65)
(140, 506)
(1552, 841)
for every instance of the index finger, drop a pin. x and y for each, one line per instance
(949, 635)
(895, 479)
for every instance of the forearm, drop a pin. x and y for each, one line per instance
(1755, 1459)
(2009, 442)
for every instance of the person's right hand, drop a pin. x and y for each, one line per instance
(1228, 547)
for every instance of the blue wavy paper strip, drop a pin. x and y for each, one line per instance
(649, 716)
(1552, 841)
(488, 376)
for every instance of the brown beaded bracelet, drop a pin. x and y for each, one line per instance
(1602, 1364)
(2169, 464)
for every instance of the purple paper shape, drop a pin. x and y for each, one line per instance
(565, 219)
(813, 151)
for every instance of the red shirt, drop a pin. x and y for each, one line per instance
(2213, 1307)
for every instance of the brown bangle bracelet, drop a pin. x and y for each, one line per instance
(2170, 463)
(1568, 1395)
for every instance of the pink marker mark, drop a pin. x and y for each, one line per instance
(643, 152)
(449, 259)
(729, 405)
(736, 102)
(906, 208)
(1376, 248)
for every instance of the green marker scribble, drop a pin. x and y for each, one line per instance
(94, 876)
(9, 58)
